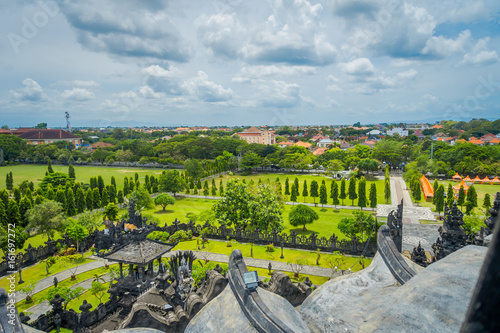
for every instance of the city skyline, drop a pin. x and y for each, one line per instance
(227, 63)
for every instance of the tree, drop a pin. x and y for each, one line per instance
(304, 190)
(13, 212)
(49, 262)
(461, 197)
(193, 168)
(9, 181)
(71, 172)
(100, 184)
(205, 188)
(287, 187)
(487, 202)
(334, 193)
(267, 209)
(70, 204)
(302, 215)
(472, 196)
(142, 199)
(67, 293)
(19, 240)
(104, 197)
(323, 196)
(77, 232)
(361, 223)
(362, 193)
(373, 195)
(3, 215)
(250, 160)
(98, 290)
(96, 198)
(293, 196)
(90, 220)
(61, 197)
(80, 200)
(24, 206)
(439, 199)
(49, 167)
(214, 188)
(314, 190)
(387, 191)
(221, 189)
(450, 196)
(89, 199)
(342, 195)
(333, 166)
(296, 183)
(435, 186)
(111, 211)
(164, 199)
(171, 181)
(28, 289)
(352, 190)
(48, 217)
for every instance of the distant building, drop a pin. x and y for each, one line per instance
(48, 136)
(100, 144)
(319, 151)
(255, 135)
(325, 143)
(285, 144)
(306, 145)
(374, 132)
(398, 130)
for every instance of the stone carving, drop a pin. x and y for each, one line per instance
(451, 235)
(282, 285)
(395, 224)
(418, 256)
(57, 303)
(490, 221)
(181, 265)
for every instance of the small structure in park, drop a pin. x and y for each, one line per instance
(456, 177)
(427, 188)
(451, 235)
(456, 188)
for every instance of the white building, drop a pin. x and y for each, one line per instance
(398, 130)
(325, 143)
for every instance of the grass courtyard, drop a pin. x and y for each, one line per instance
(35, 173)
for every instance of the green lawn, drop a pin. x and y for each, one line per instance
(259, 252)
(309, 178)
(41, 296)
(183, 208)
(36, 173)
(37, 272)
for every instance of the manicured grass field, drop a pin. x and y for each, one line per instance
(37, 272)
(41, 296)
(309, 178)
(36, 173)
(259, 252)
(325, 226)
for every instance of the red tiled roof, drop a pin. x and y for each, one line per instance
(48, 134)
(303, 144)
(252, 129)
(319, 151)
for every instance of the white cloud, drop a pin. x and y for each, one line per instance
(80, 83)
(442, 47)
(248, 73)
(220, 34)
(358, 67)
(32, 92)
(279, 94)
(480, 54)
(78, 94)
(206, 90)
(148, 92)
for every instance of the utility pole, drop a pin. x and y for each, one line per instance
(432, 150)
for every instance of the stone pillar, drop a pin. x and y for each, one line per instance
(131, 270)
(143, 273)
(293, 234)
(121, 269)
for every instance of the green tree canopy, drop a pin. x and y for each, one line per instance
(47, 217)
(302, 215)
(171, 181)
(164, 199)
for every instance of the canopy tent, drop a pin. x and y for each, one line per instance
(487, 180)
(457, 177)
(456, 188)
(477, 180)
(467, 179)
(495, 181)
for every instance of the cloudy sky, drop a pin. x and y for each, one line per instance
(236, 62)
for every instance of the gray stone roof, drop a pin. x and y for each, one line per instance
(140, 252)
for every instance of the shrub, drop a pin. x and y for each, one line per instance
(200, 269)
(270, 248)
(161, 236)
(180, 236)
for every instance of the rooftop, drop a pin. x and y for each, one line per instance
(141, 252)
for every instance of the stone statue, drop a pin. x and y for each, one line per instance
(57, 302)
(452, 236)
(270, 267)
(55, 282)
(218, 269)
(184, 280)
(57, 322)
(418, 256)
